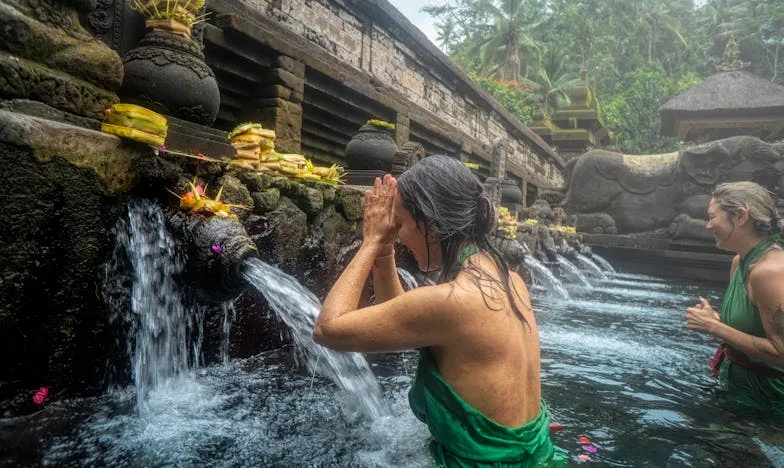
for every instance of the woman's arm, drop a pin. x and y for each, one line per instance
(346, 292)
(426, 316)
(379, 232)
(386, 284)
(766, 289)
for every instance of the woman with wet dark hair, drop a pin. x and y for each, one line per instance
(750, 361)
(477, 385)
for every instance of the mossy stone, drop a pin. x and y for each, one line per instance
(265, 200)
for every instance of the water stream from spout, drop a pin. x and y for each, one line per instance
(601, 261)
(298, 308)
(543, 277)
(163, 326)
(590, 267)
(229, 315)
(571, 271)
(407, 279)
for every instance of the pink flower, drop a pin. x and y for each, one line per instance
(216, 248)
(40, 395)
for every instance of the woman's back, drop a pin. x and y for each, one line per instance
(494, 364)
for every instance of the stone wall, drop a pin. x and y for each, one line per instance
(433, 102)
(65, 302)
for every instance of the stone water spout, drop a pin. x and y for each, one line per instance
(218, 248)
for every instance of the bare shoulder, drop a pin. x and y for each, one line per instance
(771, 264)
(484, 287)
(767, 277)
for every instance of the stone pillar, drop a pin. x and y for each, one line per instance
(402, 129)
(278, 103)
(497, 170)
(525, 192)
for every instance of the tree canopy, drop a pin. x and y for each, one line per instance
(638, 53)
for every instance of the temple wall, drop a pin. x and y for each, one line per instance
(374, 38)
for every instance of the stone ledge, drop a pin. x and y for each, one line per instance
(657, 259)
(108, 155)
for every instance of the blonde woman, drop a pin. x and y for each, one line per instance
(750, 361)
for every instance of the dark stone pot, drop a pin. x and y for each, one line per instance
(167, 73)
(372, 149)
(511, 193)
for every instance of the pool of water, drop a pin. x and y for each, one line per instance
(619, 367)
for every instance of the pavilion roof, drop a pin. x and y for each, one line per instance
(727, 94)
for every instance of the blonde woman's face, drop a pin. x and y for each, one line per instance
(720, 224)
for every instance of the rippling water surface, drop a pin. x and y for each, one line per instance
(618, 367)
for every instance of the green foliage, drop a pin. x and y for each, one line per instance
(552, 79)
(518, 99)
(758, 26)
(496, 35)
(621, 44)
(633, 111)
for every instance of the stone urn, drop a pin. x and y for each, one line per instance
(166, 72)
(511, 192)
(372, 149)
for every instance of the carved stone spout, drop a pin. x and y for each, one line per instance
(218, 248)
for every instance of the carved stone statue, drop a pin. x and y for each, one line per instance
(50, 58)
(559, 216)
(541, 211)
(668, 193)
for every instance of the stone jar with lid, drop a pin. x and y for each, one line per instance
(372, 149)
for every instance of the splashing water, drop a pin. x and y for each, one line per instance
(298, 308)
(229, 315)
(545, 278)
(160, 351)
(407, 279)
(590, 267)
(572, 271)
(602, 262)
(618, 367)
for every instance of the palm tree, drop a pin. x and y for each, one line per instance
(759, 23)
(553, 79)
(661, 15)
(503, 49)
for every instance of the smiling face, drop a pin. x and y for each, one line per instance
(428, 257)
(721, 224)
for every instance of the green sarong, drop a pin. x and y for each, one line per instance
(464, 437)
(756, 382)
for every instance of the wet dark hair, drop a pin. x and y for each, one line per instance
(447, 200)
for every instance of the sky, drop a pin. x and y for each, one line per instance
(423, 21)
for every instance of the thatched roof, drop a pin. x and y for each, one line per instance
(728, 94)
